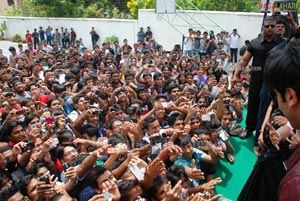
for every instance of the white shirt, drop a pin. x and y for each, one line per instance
(188, 45)
(234, 41)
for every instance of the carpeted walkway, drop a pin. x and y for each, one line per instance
(234, 176)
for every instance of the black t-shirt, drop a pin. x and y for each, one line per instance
(259, 48)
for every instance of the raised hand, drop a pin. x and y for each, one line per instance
(274, 136)
(173, 194)
(295, 139)
(195, 173)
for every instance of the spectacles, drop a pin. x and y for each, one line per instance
(270, 25)
(69, 152)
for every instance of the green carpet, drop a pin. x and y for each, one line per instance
(234, 176)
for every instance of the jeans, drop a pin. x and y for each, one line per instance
(233, 54)
(188, 53)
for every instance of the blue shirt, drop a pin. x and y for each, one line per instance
(198, 155)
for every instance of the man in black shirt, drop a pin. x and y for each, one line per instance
(259, 99)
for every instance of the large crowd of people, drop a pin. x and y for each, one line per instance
(122, 122)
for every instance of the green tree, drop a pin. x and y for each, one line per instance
(72, 8)
(135, 5)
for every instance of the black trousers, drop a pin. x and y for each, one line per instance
(258, 103)
(253, 101)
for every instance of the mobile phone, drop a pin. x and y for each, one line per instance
(155, 140)
(106, 195)
(33, 126)
(8, 94)
(222, 134)
(45, 178)
(37, 106)
(164, 104)
(95, 88)
(205, 87)
(49, 120)
(227, 101)
(137, 172)
(212, 116)
(65, 165)
(54, 142)
(22, 111)
(68, 120)
(206, 117)
(28, 146)
(198, 143)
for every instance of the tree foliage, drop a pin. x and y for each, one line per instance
(122, 8)
(73, 8)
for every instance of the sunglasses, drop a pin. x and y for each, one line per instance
(270, 25)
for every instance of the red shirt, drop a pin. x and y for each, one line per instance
(28, 37)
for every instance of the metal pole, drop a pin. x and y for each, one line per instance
(265, 14)
(22, 8)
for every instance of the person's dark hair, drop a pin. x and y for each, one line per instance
(128, 74)
(176, 173)
(116, 139)
(171, 86)
(64, 136)
(125, 186)
(3, 176)
(183, 141)
(161, 96)
(23, 184)
(58, 112)
(195, 116)
(75, 70)
(110, 127)
(140, 88)
(147, 121)
(94, 174)
(6, 193)
(146, 74)
(49, 102)
(203, 130)
(115, 108)
(133, 110)
(29, 117)
(188, 73)
(35, 168)
(157, 75)
(60, 150)
(7, 129)
(284, 65)
(227, 112)
(69, 76)
(157, 182)
(113, 72)
(173, 117)
(25, 101)
(280, 22)
(90, 129)
(133, 101)
(76, 99)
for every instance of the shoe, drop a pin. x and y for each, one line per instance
(245, 134)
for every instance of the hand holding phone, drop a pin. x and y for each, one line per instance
(137, 172)
(28, 146)
(45, 177)
(222, 134)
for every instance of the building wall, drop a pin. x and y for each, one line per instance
(247, 24)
